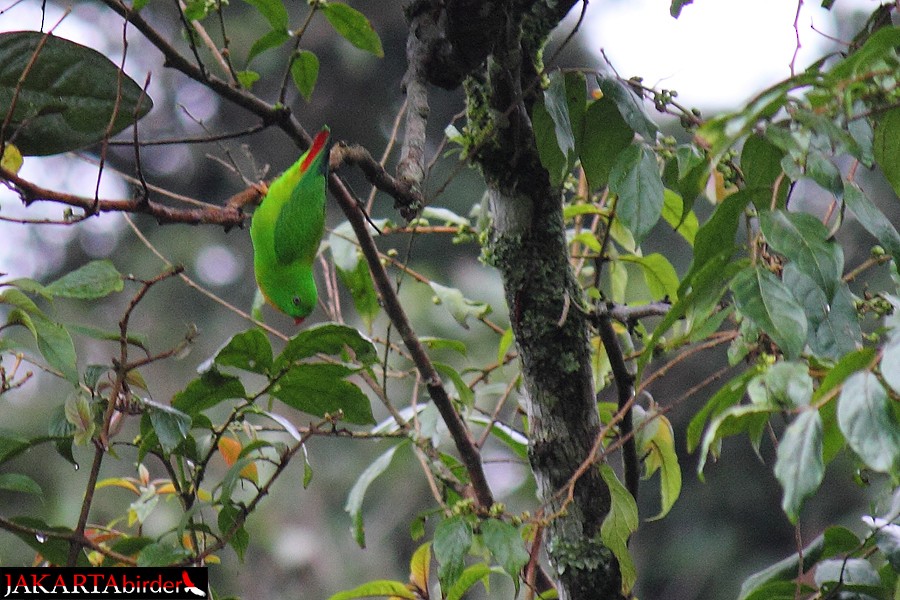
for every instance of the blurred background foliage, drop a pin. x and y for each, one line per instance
(301, 546)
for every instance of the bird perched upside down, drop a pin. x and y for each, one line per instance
(286, 231)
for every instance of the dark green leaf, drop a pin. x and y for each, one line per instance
(170, 424)
(14, 297)
(784, 570)
(208, 390)
(55, 550)
(16, 482)
(358, 492)
(320, 389)
(630, 106)
(839, 540)
(727, 396)
(606, 135)
(305, 71)
(60, 429)
(56, 347)
(353, 26)
(452, 539)
(745, 418)
(359, 283)
(273, 10)
(677, 5)
(769, 304)
(505, 544)
(803, 239)
(161, 555)
(872, 219)
(327, 338)
(69, 96)
(799, 466)
(576, 101)
(249, 350)
(230, 521)
(635, 180)
(94, 280)
(716, 235)
(130, 545)
(832, 327)
(877, 48)
(869, 423)
(761, 166)
(553, 159)
(821, 170)
(556, 102)
(272, 39)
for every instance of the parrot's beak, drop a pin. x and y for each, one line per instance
(299, 320)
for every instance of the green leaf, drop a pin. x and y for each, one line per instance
(229, 517)
(761, 166)
(552, 158)
(656, 443)
(353, 26)
(358, 492)
(506, 342)
(16, 482)
(683, 221)
(839, 540)
(887, 144)
(821, 170)
(249, 350)
(769, 304)
(96, 279)
(677, 5)
(890, 363)
(660, 275)
(208, 390)
(505, 544)
(734, 420)
(320, 389)
(452, 539)
(435, 343)
(377, 589)
(785, 384)
(79, 414)
(606, 135)
(799, 466)
(139, 340)
(803, 239)
(832, 327)
(247, 78)
(54, 550)
(513, 439)
(270, 40)
(161, 555)
(635, 180)
(869, 423)
(56, 347)
(716, 235)
(619, 524)
(872, 219)
(466, 395)
(847, 572)
(359, 283)
(170, 425)
(783, 571)
(15, 297)
(273, 10)
(459, 306)
(69, 96)
(468, 578)
(556, 102)
(727, 395)
(305, 71)
(327, 338)
(445, 215)
(630, 107)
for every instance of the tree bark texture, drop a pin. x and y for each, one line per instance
(501, 63)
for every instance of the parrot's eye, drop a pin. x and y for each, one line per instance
(296, 300)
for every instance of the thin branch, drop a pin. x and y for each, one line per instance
(407, 200)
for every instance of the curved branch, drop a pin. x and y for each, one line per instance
(407, 199)
(227, 216)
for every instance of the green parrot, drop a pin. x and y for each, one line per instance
(286, 231)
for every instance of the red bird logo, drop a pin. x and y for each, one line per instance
(189, 585)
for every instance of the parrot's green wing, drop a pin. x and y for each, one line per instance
(301, 221)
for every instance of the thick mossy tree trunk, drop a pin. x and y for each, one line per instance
(496, 48)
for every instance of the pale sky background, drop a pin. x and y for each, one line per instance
(717, 54)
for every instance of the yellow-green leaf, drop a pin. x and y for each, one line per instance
(618, 526)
